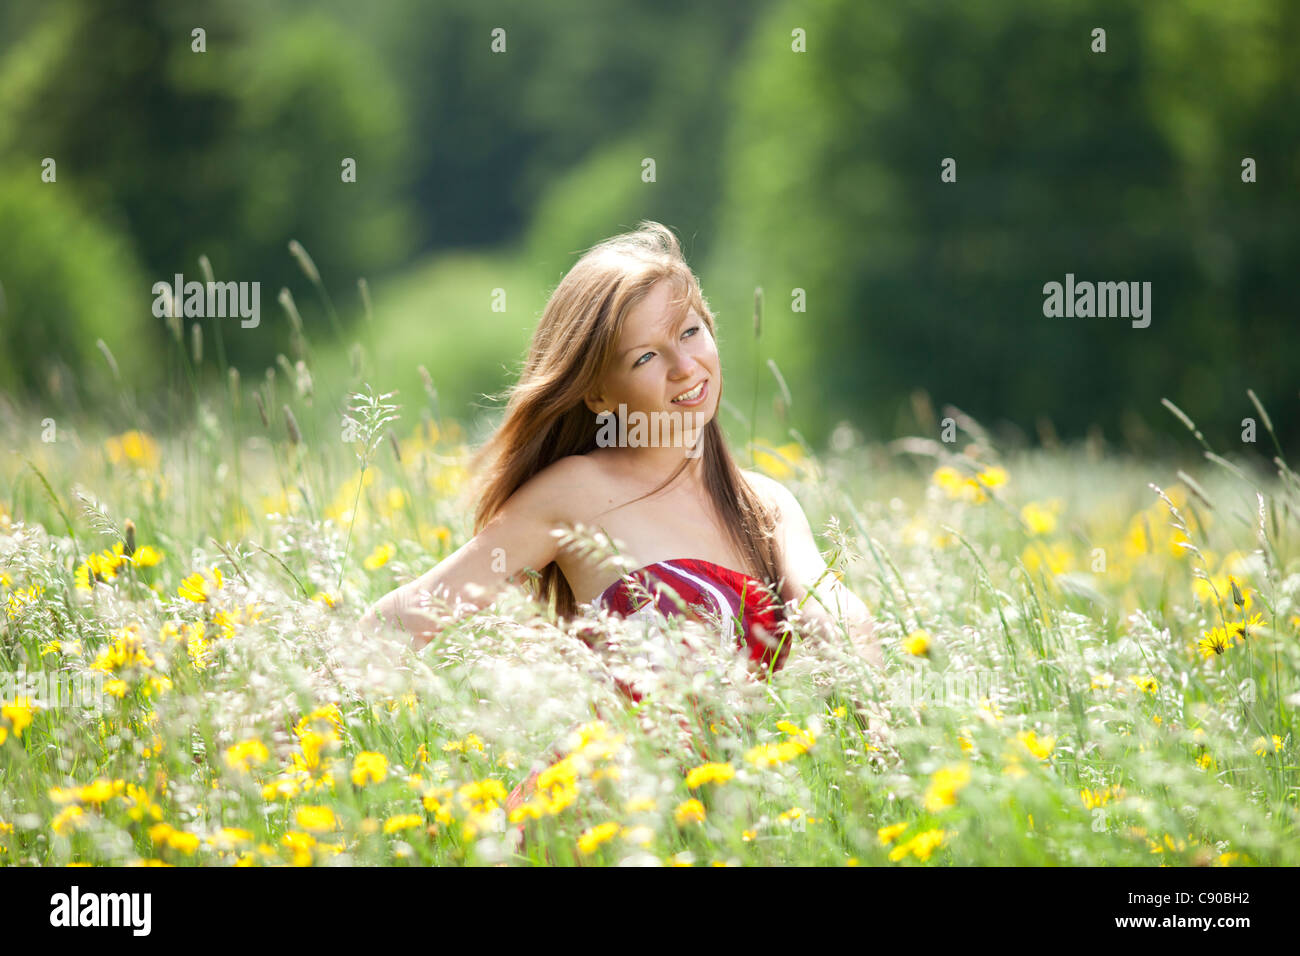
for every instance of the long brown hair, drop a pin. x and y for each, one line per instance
(546, 418)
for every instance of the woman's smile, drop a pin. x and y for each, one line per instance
(693, 396)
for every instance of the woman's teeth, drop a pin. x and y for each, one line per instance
(691, 395)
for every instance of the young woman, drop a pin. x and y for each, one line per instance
(627, 334)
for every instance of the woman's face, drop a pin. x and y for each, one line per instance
(655, 363)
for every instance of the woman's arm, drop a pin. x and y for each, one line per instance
(518, 537)
(807, 576)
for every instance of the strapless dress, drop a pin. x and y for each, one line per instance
(712, 594)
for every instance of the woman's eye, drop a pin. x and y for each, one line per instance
(641, 361)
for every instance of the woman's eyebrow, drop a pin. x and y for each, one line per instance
(680, 322)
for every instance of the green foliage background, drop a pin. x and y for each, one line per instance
(817, 171)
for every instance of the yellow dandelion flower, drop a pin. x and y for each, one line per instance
(988, 711)
(18, 714)
(369, 766)
(955, 485)
(146, 556)
(328, 712)
(199, 589)
(917, 643)
(132, 447)
(184, 842)
(561, 773)
(1040, 747)
(993, 477)
(1038, 518)
(789, 816)
(595, 836)
(1263, 745)
(1097, 798)
(689, 811)
(245, 752)
(528, 810)
(1241, 629)
(471, 742)
(316, 818)
(921, 846)
(958, 487)
(159, 832)
(1167, 842)
(436, 802)
(799, 742)
(311, 743)
(300, 845)
(139, 805)
(889, 834)
(15, 602)
(380, 556)
(764, 755)
(945, 785)
(777, 462)
(1055, 558)
(482, 796)
(965, 740)
(100, 791)
(67, 819)
(404, 821)
(1214, 641)
(709, 773)
(158, 685)
(1146, 684)
(559, 798)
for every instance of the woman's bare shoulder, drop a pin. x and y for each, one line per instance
(563, 488)
(770, 491)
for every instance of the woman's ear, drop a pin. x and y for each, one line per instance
(595, 402)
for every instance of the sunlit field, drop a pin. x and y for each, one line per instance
(1088, 661)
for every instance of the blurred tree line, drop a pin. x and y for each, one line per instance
(816, 170)
(1117, 166)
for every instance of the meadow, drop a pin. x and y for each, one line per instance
(1089, 660)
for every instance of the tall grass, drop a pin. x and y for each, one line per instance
(1052, 693)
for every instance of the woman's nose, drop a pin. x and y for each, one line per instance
(682, 365)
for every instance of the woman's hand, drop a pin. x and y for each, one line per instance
(521, 535)
(842, 605)
(822, 597)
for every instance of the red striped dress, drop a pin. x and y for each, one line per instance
(713, 595)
